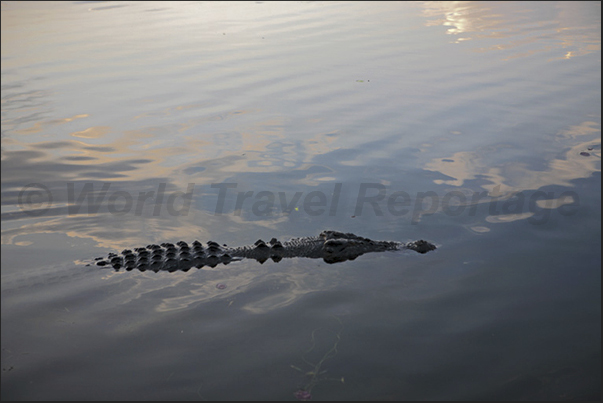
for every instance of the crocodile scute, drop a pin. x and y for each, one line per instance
(331, 246)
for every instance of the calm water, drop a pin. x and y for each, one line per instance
(473, 125)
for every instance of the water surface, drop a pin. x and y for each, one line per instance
(475, 125)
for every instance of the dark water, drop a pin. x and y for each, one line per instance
(473, 125)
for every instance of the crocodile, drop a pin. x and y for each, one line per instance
(331, 246)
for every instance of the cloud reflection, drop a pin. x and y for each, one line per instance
(509, 178)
